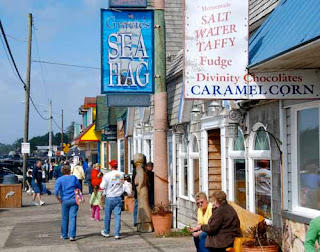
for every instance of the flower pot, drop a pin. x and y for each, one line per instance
(162, 223)
(271, 248)
(129, 204)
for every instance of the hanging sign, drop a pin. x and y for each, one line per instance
(127, 52)
(110, 133)
(128, 3)
(25, 148)
(215, 48)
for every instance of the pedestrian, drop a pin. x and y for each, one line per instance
(64, 190)
(96, 175)
(113, 186)
(223, 225)
(85, 164)
(95, 202)
(313, 235)
(204, 214)
(150, 174)
(57, 171)
(87, 174)
(36, 183)
(77, 170)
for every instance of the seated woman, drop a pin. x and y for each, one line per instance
(223, 225)
(204, 214)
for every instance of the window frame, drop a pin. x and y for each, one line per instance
(295, 208)
(182, 156)
(192, 156)
(252, 156)
(232, 155)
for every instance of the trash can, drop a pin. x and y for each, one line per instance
(10, 192)
(10, 179)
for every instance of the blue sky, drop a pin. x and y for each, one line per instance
(66, 32)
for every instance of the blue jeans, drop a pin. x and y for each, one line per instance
(135, 212)
(90, 186)
(200, 242)
(113, 204)
(69, 211)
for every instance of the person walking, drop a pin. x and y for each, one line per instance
(64, 191)
(85, 165)
(313, 235)
(95, 203)
(77, 170)
(36, 183)
(150, 174)
(87, 174)
(204, 214)
(113, 186)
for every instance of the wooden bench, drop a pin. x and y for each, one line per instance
(247, 220)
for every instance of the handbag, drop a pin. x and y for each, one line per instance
(79, 196)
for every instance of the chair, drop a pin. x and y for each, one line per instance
(247, 220)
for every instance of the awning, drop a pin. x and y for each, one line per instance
(89, 135)
(288, 39)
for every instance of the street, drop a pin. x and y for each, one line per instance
(35, 228)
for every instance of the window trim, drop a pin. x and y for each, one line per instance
(181, 157)
(296, 209)
(232, 155)
(191, 156)
(254, 155)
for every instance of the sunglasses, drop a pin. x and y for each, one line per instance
(200, 203)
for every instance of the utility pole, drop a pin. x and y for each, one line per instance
(62, 129)
(27, 95)
(50, 137)
(160, 108)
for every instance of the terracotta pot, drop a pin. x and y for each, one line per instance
(129, 204)
(162, 223)
(271, 248)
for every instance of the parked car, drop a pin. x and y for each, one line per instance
(20, 177)
(4, 172)
(14, 165)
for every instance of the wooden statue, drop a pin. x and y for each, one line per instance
(144, 223)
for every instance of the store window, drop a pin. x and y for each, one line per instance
(121, 155)
(262, 173)
(308, 158)
(195, 165)
(184, 169)
(238, 170)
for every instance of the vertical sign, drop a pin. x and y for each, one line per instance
(215, 49)
(127, 51)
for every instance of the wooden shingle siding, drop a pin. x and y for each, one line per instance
(174, 89)
(259, 9)
(214, 161)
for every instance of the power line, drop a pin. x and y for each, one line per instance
(16, 38)
(6, 51)
(56, 123)
(8, 47)
(42, 75)
(63, 64)
(17, 71)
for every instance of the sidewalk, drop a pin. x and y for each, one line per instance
(35, 228)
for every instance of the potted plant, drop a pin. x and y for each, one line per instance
(260, 239)
(161, 219)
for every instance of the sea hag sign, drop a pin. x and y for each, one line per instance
(216, 47)
(127, 51)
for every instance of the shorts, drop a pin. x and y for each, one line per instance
(37, 188)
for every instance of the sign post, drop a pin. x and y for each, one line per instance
(25, 148)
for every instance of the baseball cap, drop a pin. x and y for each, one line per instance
(113, 163)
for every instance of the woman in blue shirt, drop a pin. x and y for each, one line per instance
(64, 191)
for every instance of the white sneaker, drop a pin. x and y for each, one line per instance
(34, 203)
(42, 203)
(117, 237)
(104, 234)
(72, 239)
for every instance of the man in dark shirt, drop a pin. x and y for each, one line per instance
(150, 174)
(37, 183)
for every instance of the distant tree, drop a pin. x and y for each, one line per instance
(70, 131)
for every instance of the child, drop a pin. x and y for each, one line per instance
(95, 201)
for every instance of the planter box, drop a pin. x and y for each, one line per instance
(7, 201)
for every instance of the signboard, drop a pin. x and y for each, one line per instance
(127, 3)
(215, 48)
(49, 153)
(110, 133)
(299, 84)
(54, 148)
(127, 52)
(25, 148)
